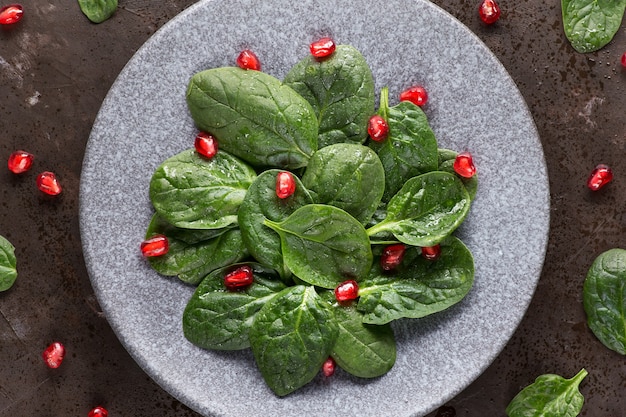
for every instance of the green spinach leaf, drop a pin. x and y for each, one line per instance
(348, 176)
(262, 203)
(426, 209)
(323, 245)
(8, 264)
(193, 192)
(215, 318)
(291, 337)
(410, 148)
(341, 90)
(604, 299)
(254, 116)
(591, 24)
(98, 10)
(446, 164)
(419, 287)
(549, 396)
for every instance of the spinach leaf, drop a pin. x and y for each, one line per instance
(190, 191)
(291, 337)
(419, 287)
(604, 299)
(190, 257)
(549, 396)
(410, 148)
(262, 203)
(427, 209)
(348, 176)
(591, 24)
(323, 245)
(254, 116)
(215, 318)
(446, 164)
(8, 264)
(98, 10)
(341, 90)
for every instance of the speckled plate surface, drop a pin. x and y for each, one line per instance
(474, 105)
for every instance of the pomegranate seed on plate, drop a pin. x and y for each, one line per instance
(20, 161)
(157, 245)
(11, 14)
(248, 60)
(464, 165)
(53, 355)
(489, 11)
(239, 278)
(431, 252)
(322, 48)
(392, 256)
(47, 183)
(328, 367)
(285, 184)
(416, 95)
(206, 144)
(600, 176)
(377, 128)
(98, 412)
(347, 290)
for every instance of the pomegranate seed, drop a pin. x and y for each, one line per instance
(624, 60)
(328, 368)
(377, 128)
(416, 95)
(464, 165)
(285, 184)
(11, 14)
(20, 161)
(431, 252)
(347, 290)
(98, 412)
(239, 278)
(322, 48)
(392, 256)
(248, 60)
(206, 144)
(47, 183)
(600, 176)
(489, 11)
(53, 355)
(157, 245)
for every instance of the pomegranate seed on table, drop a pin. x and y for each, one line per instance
(464, 165)
(206, 144)
(431, 252)
(328, 367)
(285, 184)
(98, 412)
(624, 60)
(392, 256)
(489, 11)
(47, 183)
(248, 60)
(377, 128)
(347, 290)
(157, 245)
(239, 278)
(416, 95)
(53, 355)
(322, 48)
(600, 176)
(11, 14)
(20, 161)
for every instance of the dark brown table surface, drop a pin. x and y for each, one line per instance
(55, 70)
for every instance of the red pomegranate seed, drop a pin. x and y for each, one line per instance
(53, 355)
(431, 252)
(600, 176)
(464, 165)
(392, 256)
(347, 290)
(206, 144)
(489, 11)
(285, 184)
(47, 183)
(239, 278)
(328, 368)
(157, 245)
(98, 412)
(322, 48)
(416, 95)
(20, 161)
(377, 128)
(11, 14)
(624, 60)
(248, 60)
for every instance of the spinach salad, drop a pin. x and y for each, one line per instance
(353, 198)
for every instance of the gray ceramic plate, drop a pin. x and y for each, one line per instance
(474, 105)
